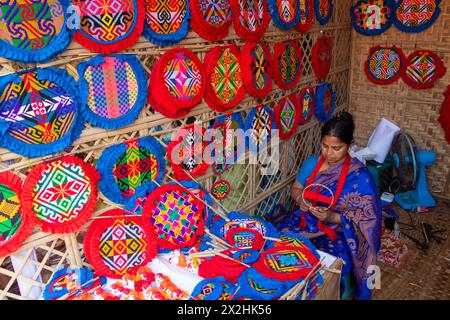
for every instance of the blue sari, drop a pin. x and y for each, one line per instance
(358, 240)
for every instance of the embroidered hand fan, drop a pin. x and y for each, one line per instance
(243, 238)
(33, 31)
(166, 22)
(285, 13)
(306, 16)
(177, 82)
(296, 240)
(128, 165)
(287, 116)
(444, 114)
(250, 18)
(15, 226)
(136, 203)
(60, 195)
(186, 153)
(306, 100)
(108, 26)
(324, 10)
(66, 280)
(247, 256)
(256, 65)
(210, 19)
(208, 289)
(219, 266)
(224, 88)
(372, 17)
(220, 189)
(254, 285)
(175, 215)
(287, 64)
(321, 56)
(325, 101)
(113, 90)
(117, 243)
(415, 15)
(286, 263)
(385, 65)
(423, 68)
(39, 112)
(260, 120)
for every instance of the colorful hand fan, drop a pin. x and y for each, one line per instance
(135, 205)
(247, 256)
(324, 10)
(415, 15)
(66, 280)
(224, 88)
(33, 31)
(108, 26)
(285, 13)
(254, 285)
(423, 69)
(372, 17)
(385, 65)
(260, 120)
(60, 195)
(209, 289)
(244, 238)
(296, 240)
(210, 19)
(325, 101)
(306, 100)
(256, 64)
(39, 112)
(175, 215)
(287, 64)
(219, 266)
(177, 83)
(117, 243)
(250, 18)
(444, 114)
(306, 16)
(186, 153)
(128, 165)
(321, 56)
(15, 226)
(287, 116)
(220, 189)
(286, 263)
(166, 22)
(113, 90)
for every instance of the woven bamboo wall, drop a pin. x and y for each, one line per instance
(49, 252)
(414, 111)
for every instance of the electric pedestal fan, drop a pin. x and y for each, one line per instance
(410, 170)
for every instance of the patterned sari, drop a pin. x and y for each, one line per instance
(358, 240)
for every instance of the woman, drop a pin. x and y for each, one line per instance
(352, 225)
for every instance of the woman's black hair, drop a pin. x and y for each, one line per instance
(340, 126)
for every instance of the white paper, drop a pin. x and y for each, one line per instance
(381, 139)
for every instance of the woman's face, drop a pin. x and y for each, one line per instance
(333, 150)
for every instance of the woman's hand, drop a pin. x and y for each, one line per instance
(303, 206)
(320, 213)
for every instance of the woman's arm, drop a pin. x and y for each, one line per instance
(323, 214)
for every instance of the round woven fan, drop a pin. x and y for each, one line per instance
(65, 280)
(113, 90)
(250, 18)
(136, 203)
(287, 116)
(286, 263)
(324, 10)
(175, 215)
(287, 64)
(296, 240)
(306, 101)
(306, 16)
(177, 83)
(444, 114)
(220, 189)
(208, 289)
(34, 31)
(254, 285)
(325, 101)
(423, 69)
(385, 65)
(15, 226)
(117, 243)
(260, 120)
(186, 153)
(128, 165)
(285, 13)
(166, 22)
(247, 256)
(372, 17)
(256, 64)
(210, 19)
(108, 26)
(224, 88)
(60, 195)
(321, 56)
(39, 112)
(244, 238)
(415, 15)
(219, 266)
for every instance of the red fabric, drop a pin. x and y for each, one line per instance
(277, 114)
(203, 28)
(444, 116)
(279, 49)
(393, 79)
(217, 266)
(301, 96)
(322, 49)
(257, 243)
(27, 225)
(244, 32)
(304, 27)
(438, 73)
